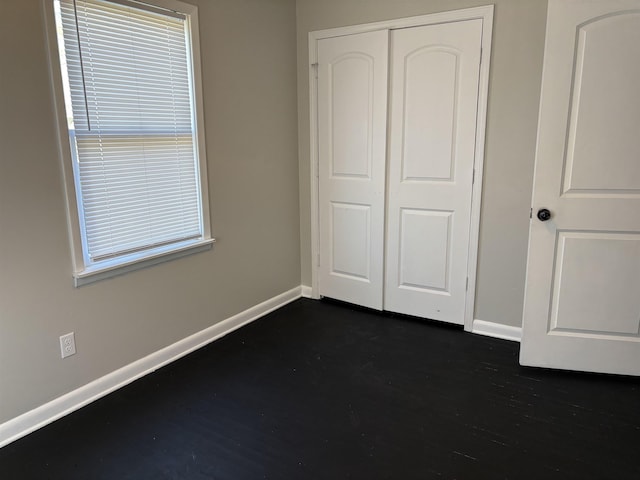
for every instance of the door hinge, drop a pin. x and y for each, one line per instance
(315, 69)
(466, 287)
(531, 213)
(473, 177)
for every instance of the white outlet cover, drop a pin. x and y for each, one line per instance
(67, 345)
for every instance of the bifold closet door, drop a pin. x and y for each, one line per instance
(433, 106)
(352, 118)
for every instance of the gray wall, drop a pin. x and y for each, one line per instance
(514, 93)
(249, 70)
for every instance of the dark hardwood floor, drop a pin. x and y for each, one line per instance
(322, 390)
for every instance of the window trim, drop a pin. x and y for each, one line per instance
(83, 273)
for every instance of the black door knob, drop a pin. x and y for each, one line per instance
(544, 214)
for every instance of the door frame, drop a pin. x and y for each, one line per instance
(485, 13)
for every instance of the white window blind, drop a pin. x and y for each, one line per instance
(131, 124)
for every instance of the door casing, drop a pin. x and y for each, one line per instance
(486, 14)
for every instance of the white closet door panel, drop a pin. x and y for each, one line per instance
(434, 94)
(582, 302)
(422, 230)
(352, 111)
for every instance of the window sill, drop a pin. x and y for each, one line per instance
(131, 263)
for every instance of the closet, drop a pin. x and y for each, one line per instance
(397, 138)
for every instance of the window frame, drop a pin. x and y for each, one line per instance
(83, 271)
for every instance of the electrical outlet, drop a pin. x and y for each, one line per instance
(67, 345)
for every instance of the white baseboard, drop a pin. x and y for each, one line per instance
(43, 415)
(497, 330)
(306, 291)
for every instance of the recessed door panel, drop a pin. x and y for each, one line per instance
(351, 84)
(433, 106)
(431, 91)
(603, 144)
(596, 275)
(582, 298)
(425, 241)
(352, 125)
(351, 233)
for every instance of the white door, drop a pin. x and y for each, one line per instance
(352, 124)
(582, 303)
(433, 107)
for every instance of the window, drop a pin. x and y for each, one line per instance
(133, 117)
